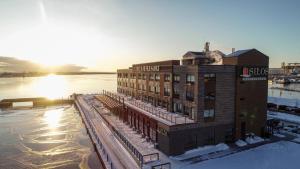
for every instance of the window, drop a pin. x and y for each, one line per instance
(167, 77)
(157, 77)
(190, 78)
(210, 96)
(139, 76)
(209, 77)
(176, 78)
(209, 113)
(144, 77)
(177, 107)
(157, 89)
(151, 89)
(176, 91)
(167, 90)
(151, 76)
(190, 93)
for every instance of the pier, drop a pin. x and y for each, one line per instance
(36, 102)
(118, 145)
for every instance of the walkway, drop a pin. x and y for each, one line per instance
(116, 153)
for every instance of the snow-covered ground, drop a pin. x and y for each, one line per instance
(201, 151)
(284, 117)
(279, 155)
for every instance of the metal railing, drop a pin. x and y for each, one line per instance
(168, 116)
(141, 159)
(99, 144)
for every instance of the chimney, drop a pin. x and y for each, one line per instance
(206, 47)
(233, 50)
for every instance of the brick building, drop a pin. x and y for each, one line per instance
(224, 97)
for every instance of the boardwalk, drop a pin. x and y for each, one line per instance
(116, 153)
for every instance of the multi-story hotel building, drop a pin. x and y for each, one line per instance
(224, 97)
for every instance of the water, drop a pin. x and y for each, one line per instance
(284, 93)
(52, 137)
(55, 137)
(55, 86)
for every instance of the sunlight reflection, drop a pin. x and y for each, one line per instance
(53, 117)
(51, 86)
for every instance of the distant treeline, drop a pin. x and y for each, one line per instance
(35, 74)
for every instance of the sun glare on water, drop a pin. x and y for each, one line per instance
(51, 86)
(53, 117)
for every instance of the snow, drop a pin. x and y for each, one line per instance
(277, 155)
(284, 117)
(297, 140)
(240, 143)
(284, 101)
(279, 135)
(254, 139)
(201, 151)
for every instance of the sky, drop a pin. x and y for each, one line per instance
(104, 35)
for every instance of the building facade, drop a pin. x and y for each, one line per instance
(225, 96)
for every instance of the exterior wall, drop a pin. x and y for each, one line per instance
(224, 96)
(184, 138)
(235, 103)
(251, 96)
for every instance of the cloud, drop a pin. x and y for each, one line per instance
(11, 64)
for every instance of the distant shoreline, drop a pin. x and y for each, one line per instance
(38, 74)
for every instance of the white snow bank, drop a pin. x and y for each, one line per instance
(254, 139)
(297, 140)
(284, 117)
(201, 151)
(279, 135)
(279, 155)
(240, 143)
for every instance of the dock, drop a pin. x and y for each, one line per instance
(36, 102)
(118, 145)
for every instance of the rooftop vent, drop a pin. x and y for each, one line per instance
(206, 47)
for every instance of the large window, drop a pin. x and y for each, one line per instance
(177, 107)
(209, 77)
(176, 78)
(190, 93)
(209, 113)
(152, 76)
(210, 96)
(157, 77)
(157, 89)
(167, 90)
(152, 89)
(167, 77)
(176, 92)
(190, 78)
(144, 76)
